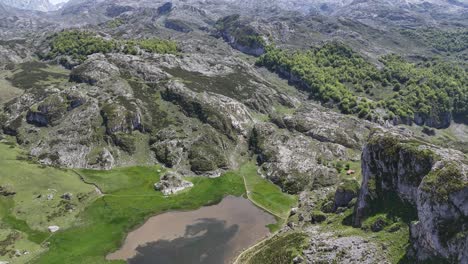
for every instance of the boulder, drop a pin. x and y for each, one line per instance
(172, 183)
(293, 211)
(298, 259)
(6, 190)
(379, 224)
(53, 228)
(317, 217)
(67, 196)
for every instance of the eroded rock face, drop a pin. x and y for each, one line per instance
(433, 181)
(328, 126)
(292, 160)
(241, 36)
(345, 192)
(436, 120)
(118, 118)
(222, 113)
(8, 58)
(54, 107)
(95, 69)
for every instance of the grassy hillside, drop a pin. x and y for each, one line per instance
(25, 216)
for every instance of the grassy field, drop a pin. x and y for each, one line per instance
(38, 75)
(29, 212)
(7, 91)
(129, 200)
(266, 194)
(93, 225)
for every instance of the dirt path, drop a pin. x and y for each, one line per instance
(257, 204)
(96, 187)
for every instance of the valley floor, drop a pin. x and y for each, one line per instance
(94, 221)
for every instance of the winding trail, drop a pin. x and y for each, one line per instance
(257, 204)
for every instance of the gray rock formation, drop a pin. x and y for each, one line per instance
(325, 247)
(172, 183)
(222, 113)
(6, 190)
(433, 181)
(241, 36)
(291, 160)
(95, 69)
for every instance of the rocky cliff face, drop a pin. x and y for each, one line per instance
(431, 181)
(241, 36)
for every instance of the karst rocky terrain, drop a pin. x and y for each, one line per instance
(210, 106)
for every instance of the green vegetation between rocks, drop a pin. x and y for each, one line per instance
(79, 44)
(37, 76)
(242, 34)
(267, 195)
(443, 182)
(445, 41)
(392, 235)
(280, 249)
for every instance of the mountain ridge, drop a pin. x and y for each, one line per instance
(37, 5)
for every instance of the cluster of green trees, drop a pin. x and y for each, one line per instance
(426, 88)
(155, 45)
(446, 41)
(333, 74)
(79, 44)
(336, 75)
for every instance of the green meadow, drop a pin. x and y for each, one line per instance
(265, 194)
(97, 224)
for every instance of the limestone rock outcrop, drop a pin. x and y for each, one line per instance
(172, 183)
(431, 180)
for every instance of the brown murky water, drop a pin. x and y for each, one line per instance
(210, 235)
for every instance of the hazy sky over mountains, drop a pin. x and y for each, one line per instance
(58, 1)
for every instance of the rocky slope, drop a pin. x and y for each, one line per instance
(433, 182)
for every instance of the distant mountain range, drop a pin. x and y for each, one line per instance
(321, 6)
(39, 5)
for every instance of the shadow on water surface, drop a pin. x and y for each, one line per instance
(204, 242)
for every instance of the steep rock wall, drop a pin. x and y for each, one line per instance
(432, 181)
